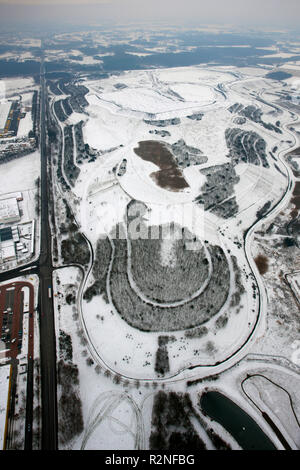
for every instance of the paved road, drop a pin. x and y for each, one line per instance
(47, 328)
(43, 268)
(31, 268)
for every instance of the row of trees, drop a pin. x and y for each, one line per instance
(71, 170)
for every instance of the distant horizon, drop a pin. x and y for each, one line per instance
(267, 15)
(156, 24)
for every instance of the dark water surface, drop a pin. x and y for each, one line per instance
(236, 421)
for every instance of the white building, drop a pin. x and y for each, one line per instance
(4, 111)
(9, 211)
(18, 196)
(8, 253)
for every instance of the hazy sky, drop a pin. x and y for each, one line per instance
(269, 13)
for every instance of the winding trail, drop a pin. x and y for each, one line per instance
(281, 434)
(178, 303)
(107, 403)
(217, 367)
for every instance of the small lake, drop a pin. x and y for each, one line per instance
(236, 421)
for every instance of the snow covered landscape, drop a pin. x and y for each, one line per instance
(149, 239)
(237, 181)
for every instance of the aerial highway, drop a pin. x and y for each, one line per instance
(47, 328)
(43, 268)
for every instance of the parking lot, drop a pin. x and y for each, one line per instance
(12, 310)
(16, 327)
(13, 120)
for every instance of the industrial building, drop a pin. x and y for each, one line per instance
(9, 211)
(8, 252)
(16, 242)
(6, 234)
(16, 238)
(4, 113)
(7, 245)
(18, 195)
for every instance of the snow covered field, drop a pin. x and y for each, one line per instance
(117, 116)
(112, 418)
(20, 174)
(4, 386)
(156, 93)
(15, 85)
(194, 106)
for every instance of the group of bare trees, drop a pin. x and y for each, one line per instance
(69, 402)
(146, 316)
(100, 270)
(74, 248)
(172, 429)
(168, 283)
(71, 170)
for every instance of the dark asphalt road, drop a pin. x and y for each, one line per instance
(43, 268)
(47, 327)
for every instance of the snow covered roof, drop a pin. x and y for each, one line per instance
(4, 110)
(9, 210)
(8, 252)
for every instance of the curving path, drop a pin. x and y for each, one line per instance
(103, 409)
(178, 303)
(206, 369)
